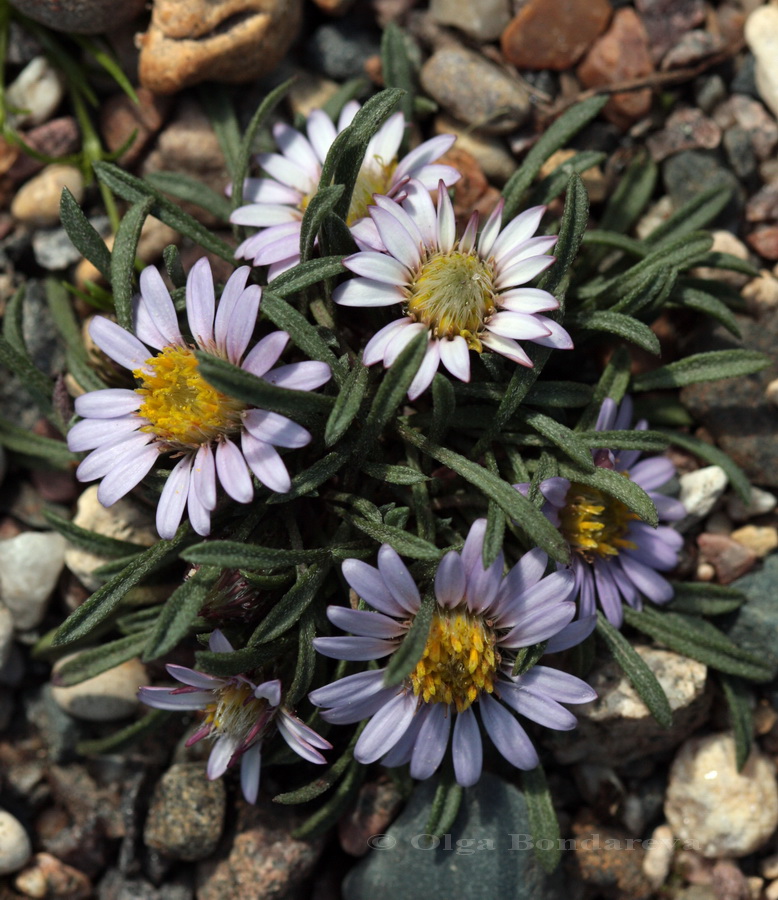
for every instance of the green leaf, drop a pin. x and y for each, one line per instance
(615, 485)
(38, 386)
(699, 212)
(559, 180)
(310, 479)
(347, 404)
(64, 318)
(306, 660)
(21, 440)
(104, 600)
(647, 441)
(92, 662)
(128, 187)
(517, 507)
(703, 599)
(397, 69)
(327, 815)
(305, 274)
(631, 196)
(12, 322)
(323, 202)
(221, 113)
(637, 671)
(737, 477)
(241, 384)
(699, 640)
(543, 822)
(613, 383)
(445, 805)
(567, 440)
(444, 404)
(300, 330)
(527, 657)
(622, 326)
(392, 391)
(739, 699)
(123, 259)
(559, 394)
(554, 138)
(240, 661)
(393, 474)
(91, 541)
(184, 187)
(179, 613)
(290, 608)
(404, 543)
(404, 659)
(711, 366)
(83, 235)
(125, 737)
(324, 782)
(237, 555)
(243, 155)
(703, 302)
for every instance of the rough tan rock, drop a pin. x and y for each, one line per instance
(37, 201)
(190, 41)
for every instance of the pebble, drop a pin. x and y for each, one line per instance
(191, 41)
(771, 892)
(6, 634)
(761, 294)
(339, 49)
(617, 728)
(763, 205)
(688, 173)
(482, 21)
(764, 241)
(475, 91)
(553, 34)
(724, 812)
(15, 846)
(593, 178)
(659, 855)
(53, 249)
(724, 242)
(108, 697)
(93, 17)
(124, 521)
(771, 392)
(37, 201)
(731, 559)
(621, 54)
(699, 493)
(761, 33)
(57, 137)
(261, 858)
(768, 866)
(37, 91)
(760, 539)
(655, 215)
(30, 565)
(186, 813)
(667, 20)
(310, 91)
(376, 806)
(48, 878)
(120, 117)
(685, 129)
(693, 46)
(497, 162)
(607, 861)
(752, 117)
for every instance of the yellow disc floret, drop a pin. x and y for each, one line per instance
(453, 294)
(459, 661)
(594, 523)
(183, 410)
(236, 711)
(375, 177)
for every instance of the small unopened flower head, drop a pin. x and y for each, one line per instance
(237, 715)
(174, 410)
(617, 558)
(277, 202)
(465, 294)
(479, 622)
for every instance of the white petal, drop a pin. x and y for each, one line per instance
(401, 340)
(423, 155)
(275, 429)
(263, 215)
(173, 498)
(447, 229)
(490, 230)
(159, 305)
(321, 133)
(90, 433)
(396, 238)
(296, 147)
(200, 301)
(302, 376)
(519, 230)
(266, 464)
(523, 271)
(420, 207)
(265, 354)
(517, 325)
(367, 292)
(527, 300)
(288, 172)
(376, 346)
(233, 472)
(506, 347)
(426, 371)
(107, 404)
(378, 267)
(455, 356)
(120, 345)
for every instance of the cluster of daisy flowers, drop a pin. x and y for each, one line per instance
(468, 294)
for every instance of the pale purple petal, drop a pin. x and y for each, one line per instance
(370, 586)
(400, 341)
(397, 212)
(288, 172)
(571, 635)
(554, 588)
(264, 215)
(525, 574)
(107, 404)
(537, 707)
(321, 133)
(364, 623)
(126, 473)
(199, 516)
(426, 371)
(385, 728)
(558, 685)
(537, 246)
(378, 267)
(430, 176)
(584, 585)
(230, 306)
(193, 678)
(273, 428)
(239, 325)
(250, 765)
(366, 235)
(668, 508)
(559, 339)
(652, 473)
(267, 190)
(233, 472)
(159, 305)
(518, 230)
(431, 742)
(423, 155)
(265, 354)
(296, 147)
(164, 698)
(467, 749)
(398, 579)
(200, 302)
(507, 735)
(281, 254)
(608, 593)
(265, 463)
(219, 643)
(302, 732)
(204, 477)
(646, 580)
(354, 648)
(483, 584)
(173, 498)
(656, 547)
(90, 433)
(467, 241)
(349, 689)
(517, 325)
(143, 324)
(121, 346)
(539, 624)
(527, 300)
(358, 710)
(113, 455)
(522, 272)
(294, 738)
(506, 347)
(396, 238)
(455, 356)
(376, 347)
(490, 231)
(555, 490)
(472, 552)
(386, 141)
(302, 376)
(367, 292)
(450, 580)
(402, 751)
(418, 204)
(447, 229)
(221, 755)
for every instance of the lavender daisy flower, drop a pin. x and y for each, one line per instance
(174, 410)
(238, 715)
(616, 558)
(278, 201)
(480, 620)
(465, 294)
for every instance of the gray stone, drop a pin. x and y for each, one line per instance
(688, 173)
(30, 564)
(54, 250)
(700, 491)
(116, 885)
(483, 21)
(81, 16)
(485, 854)
(59, 731)
(761, 502)
(754, 627)
(15, 846)
(740, 152)
(6, 634)
(37, 91)
(617, 728)
(339, 50)
(725, 812)
(475, 91)
(107, 697)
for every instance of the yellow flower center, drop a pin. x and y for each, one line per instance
(459, 661)
(375, 177)
(181, 407)
(236, 711)
(453, 294)
(594, 524)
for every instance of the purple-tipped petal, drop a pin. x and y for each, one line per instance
(398, 579)
(143, 325)
(400, 341)
(522, 272)
(288, 172)
(239, 325)
(467, 749)
(418, 204)
(490, 231)
(165, 698)
(507, 735)
(518, 231)
(447, 229)
(506, 347)
(527, 300)
(193, 678)
(558, 339)
(296, 147)
(219, 643)
(517, 326)
(396, 238)
(230, 306)
(321, 133)
(295, 740)
(423, 155)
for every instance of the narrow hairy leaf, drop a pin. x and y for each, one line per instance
(89, 663)
(179, 613)
(711, 366)
(305, 274)
(125, 737)
(35, 383)
(324, 782)
(737, 477)
(321, 204)
(559, 180)
(21, 440)
(123, 259)
(306, 659)
(243, 660)
(622, 326)
(91, 541)
(637, 671)
(83, 235)
(647, 441)
(288, 610)
(192, 190)
(404, 659)
(445, 805)
(699, 212)
(221, 113)
(327, 815)
(703, 599)
(616, 485)
(543, 821)
(347, 404)
(310, 479)
(237, 555)
(396, 67)
(703, 302)
(303, 334)
(393, 474)
(567, 440)
(404, 543)
(631, 195)
(739, 699)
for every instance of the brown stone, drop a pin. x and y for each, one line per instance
(667, 20)
(764, 241)
(729, 558)
(57, 137)
(120, 117)
(763, 206)
(334, 7)
(607, 859)
(233, 41)
(377, 804)
(593, 178)
(621, 54)
(554, 34)
(470, 187)
(46, 876)
(685, 129)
